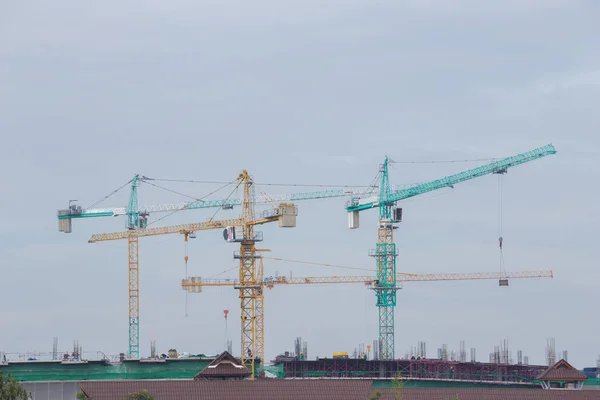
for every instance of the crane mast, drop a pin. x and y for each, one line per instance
(385, 256)
(248, 283)
(134, 296)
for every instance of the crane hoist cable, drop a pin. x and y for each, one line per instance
(225, 312)
(186, 305)
(226, 309)
(500, 223)
(185, 259)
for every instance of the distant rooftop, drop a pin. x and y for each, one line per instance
(313, 389)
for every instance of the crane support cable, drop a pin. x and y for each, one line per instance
(223, 272)
(187, 195)
(108, 195)
(262, 192)
(228, 197)
(445, 161)
(330, 265)
(324, 185)
(171, 190)
(196, 199)
(263, 184)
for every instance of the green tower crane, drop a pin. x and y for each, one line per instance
(385, 252)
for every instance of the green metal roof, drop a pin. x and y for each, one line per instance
(30, 371)
(592, 382)
(178, 368)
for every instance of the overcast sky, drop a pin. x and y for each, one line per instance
(301, 92)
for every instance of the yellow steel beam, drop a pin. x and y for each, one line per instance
(166, 230)
(370, 280)
(465, 276)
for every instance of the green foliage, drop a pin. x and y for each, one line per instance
(143, 395)
(454, 398)
(375, 395)
(10, 389)
(81, 396)
(398, 386)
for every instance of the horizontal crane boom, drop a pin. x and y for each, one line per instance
(370, 280)
(494, 167)
(165, 230)
(268, 216)
(77, 212)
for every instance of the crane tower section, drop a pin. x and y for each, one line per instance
(385, 255)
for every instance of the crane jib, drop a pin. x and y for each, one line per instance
(491, 168)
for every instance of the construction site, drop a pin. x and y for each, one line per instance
(311, 200)
(45, 373)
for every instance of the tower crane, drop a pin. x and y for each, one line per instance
(195, 284)
(285, 214)
(137, 225)
(385, 252)
(251, 294)
(137, 217)
(271, 282)
(385, 283)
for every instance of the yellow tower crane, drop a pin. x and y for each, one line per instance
(250, 290)
(194, 284)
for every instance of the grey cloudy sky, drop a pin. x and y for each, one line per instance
(306, 92)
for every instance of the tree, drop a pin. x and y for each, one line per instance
(375, 396)
(10, 389)
(143, 395)
(81, 396)
(398, 386)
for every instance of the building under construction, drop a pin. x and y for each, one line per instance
(411, 369)
(224, 376)
(251, 281)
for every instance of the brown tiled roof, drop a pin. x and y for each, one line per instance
(223, 370)
(562, 371)
(311, 389)
(490, 394)
(224, 366)
(225, 356)
(232, 390)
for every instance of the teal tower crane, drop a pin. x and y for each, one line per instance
(137, 224)
(390, 215)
